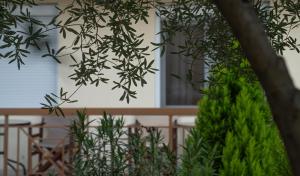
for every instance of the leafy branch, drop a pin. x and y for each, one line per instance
(53, 102)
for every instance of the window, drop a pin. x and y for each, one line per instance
(27, 86)
(181, 76)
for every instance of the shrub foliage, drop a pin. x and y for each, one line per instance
(236, 129)
(109, 149)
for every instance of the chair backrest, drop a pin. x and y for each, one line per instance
(32, 119)
(57, 128)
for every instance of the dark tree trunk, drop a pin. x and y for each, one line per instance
(271, 70)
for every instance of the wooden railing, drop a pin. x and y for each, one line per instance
(139, 112)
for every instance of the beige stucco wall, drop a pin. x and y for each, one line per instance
(292, 59)
(103, 96)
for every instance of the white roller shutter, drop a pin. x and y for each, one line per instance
(26, 87)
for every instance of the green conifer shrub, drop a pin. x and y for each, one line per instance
(235, 121)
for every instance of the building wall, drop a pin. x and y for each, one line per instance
(90, 96)
(292, 59)
(148, 96)
(103, 96)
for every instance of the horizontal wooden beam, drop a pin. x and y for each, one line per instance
(99, 111)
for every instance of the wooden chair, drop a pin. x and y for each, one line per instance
(36, 133)
(51, 147)
(183, 126)
(30, 121)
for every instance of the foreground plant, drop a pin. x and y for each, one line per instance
(109, 149)
(235, 127)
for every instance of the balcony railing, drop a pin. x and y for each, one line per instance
(169, 113)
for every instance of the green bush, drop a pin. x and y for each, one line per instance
(198, 157)
(235, 121)
(109, 150)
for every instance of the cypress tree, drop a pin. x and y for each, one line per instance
(235, 126)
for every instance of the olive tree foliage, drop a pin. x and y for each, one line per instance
(122, 49)
(279, 17)
(16, 43)
(88, 18)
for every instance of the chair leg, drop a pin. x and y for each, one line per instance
(70, 156)
(29, 151)
(129, 133)
(175, 139)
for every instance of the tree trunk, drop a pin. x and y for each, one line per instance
(283, 97)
